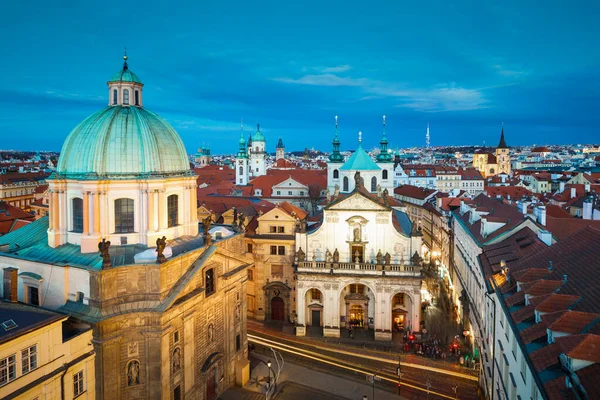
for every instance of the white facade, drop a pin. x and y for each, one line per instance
(258, 158)
(361, 230)
(150, 211)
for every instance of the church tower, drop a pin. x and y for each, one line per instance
(385, 161)
(503, 155)
(258, 156)
(241, 162)
(336, 160)
(279, 150)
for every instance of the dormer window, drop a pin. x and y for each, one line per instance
(126, 96)
(115, 97)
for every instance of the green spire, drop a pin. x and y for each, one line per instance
(243, 151)
(335, 154)
(383, 155)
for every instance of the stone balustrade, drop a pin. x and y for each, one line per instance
(359, 268)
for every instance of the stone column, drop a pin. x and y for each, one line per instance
(188, 352)
(301, 311)
(161, 210)
(347, 314)
(151, 214)
(96, 208)
(54, 211)
(86, 213)
(193, 204)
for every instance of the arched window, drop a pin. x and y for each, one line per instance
(125, 96)
(115, 96)
(137, 97)
(124, 216)
(77, 213)
(336, 174)
(384, 174)
(241, 171)
(345, 184)
(373, 184)
(172, 209)
(209, 282)
(257, 149)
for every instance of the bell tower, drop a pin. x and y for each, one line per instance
(503, 155)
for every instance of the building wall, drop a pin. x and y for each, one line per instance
(53, 355)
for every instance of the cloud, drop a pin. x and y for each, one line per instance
(336, 70)
(443, 97)
(325, 80)
(509, 72)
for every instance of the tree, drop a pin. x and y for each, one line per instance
(314, 194)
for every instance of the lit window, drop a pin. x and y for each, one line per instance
(8, 369)
(77, 212)
(125, 96)
(172, 209)
(28, 359)
(124, 213)
(78, 384)
(209, 277)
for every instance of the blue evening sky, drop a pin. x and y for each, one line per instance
(464, 67)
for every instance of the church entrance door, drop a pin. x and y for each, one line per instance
(316, 318)
(211, 384)
(277, 309)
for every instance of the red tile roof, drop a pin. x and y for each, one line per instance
(569, 321)
(414, 192)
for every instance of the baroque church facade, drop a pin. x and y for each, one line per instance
(121, 252)
(359, 267)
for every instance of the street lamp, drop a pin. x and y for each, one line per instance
(269, 365)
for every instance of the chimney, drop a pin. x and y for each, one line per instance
(549, 264)
(587, 187)
(587, 208)
(546, 237)
(11, 281)
(541, 217)
(561, 187)
(573, 192)
(439, 202)
(565, 278)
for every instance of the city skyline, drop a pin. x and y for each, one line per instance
(206, 68)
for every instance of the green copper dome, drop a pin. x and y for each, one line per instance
(122, 142)
(125, 75)
(258, 136)
(360, 161)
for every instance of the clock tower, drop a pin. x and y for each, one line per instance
(241, 162)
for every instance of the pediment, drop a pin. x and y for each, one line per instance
(357, 201)
(289, 183)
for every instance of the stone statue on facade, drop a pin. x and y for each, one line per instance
(328, 195)
(357, 179)
(416, 259)
(379, 257)
(133, 373)
(378, 190)
(387, 258)
(235, 216)
(206, 222)
(336, 256)
(385, 195)
(336, 190)
(356, 257)
(176, 359)
(328, 256)
(161, 243)
(241, 221)
(103, 247)
(356, 234)
(301, 255)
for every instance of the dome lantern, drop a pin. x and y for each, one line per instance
(125, 87)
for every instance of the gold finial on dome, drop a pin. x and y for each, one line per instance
(125, 54)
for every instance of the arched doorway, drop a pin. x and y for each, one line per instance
(355, 311)
(401, 315)
(277, 309)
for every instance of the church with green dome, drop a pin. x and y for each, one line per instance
(122, 254)
(123, 175)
